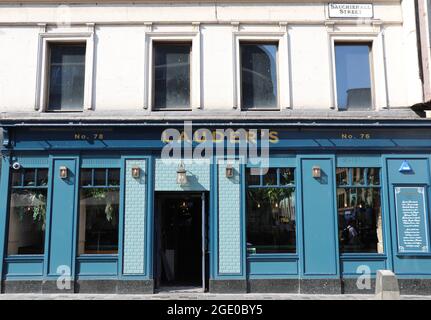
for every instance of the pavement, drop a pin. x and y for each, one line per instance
(195, 296)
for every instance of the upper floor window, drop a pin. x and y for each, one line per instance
(259, 75)
(66, 76)
(172, 75)
(27, 213)
(271, 217)
(359, 210)
(353, 72)
(98, 211)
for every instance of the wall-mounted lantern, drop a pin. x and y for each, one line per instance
(63, 172)
(136, 172)
(181, 175)
(229, 171)
(317, 173)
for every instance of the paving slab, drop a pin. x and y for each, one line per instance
(195, 296)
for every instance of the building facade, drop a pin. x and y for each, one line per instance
(302, 168)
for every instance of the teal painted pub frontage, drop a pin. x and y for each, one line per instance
(94, 208)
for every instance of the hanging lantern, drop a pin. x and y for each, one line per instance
(181, 175)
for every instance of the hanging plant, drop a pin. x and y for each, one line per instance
(275, 195)
(108, 197)
(35, 204)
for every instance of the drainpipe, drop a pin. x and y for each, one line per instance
(418, 40)
(423, 40)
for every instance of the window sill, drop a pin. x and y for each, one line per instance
(97, 256)
(356, 109)
(260, 109)
(262, 256)
(63, 111)
(171, 109)
(15, 257)
(360, 256)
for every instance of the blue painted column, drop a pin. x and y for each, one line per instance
(135, 218)
(62, 235)
(320, 257)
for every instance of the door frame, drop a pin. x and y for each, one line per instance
(205, 198)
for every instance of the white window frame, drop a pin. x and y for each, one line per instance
(283, 66)
(42, 85)
(192, 37)
(379, 95)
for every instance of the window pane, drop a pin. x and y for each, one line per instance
(172, 75)
(99, 177)
(253, 179)
(358, 176)
(373, 177)
(353, 76)
(113, 177)
(29, 177)
(271, 220)
(27, 221)
(42, 177)
(98, 221)
(86, 177)
(287, 176)
(16, 178)
(360, 220)
(66, 77)
(342, 176)
(259, 75)
(270, 178)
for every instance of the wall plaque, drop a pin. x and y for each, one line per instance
(411, 218)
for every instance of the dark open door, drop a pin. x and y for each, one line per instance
(181, 240)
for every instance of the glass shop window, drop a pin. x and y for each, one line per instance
(271, 216)
(66, 76)
(353, 72)
(27, 211)
(98, 211)
(259, 75)
(360, 226)
(172, 75)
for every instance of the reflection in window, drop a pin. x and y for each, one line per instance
(98, 211)
(66, 76)
(342, 176)
(172, 75)
(359, 212)
(353, 75)
(259, 75)
(27, 214)
(270, 178)
(271, 218)
(358, 177)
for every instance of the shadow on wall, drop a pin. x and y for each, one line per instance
(420, 108)
(192, 184)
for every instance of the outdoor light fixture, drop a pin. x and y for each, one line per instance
(229, 171)
(63, 172)
(181, 175)
(316, 172)
(136, 172)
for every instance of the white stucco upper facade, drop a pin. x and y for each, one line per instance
(119, 39)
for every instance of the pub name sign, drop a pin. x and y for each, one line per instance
(350, 10)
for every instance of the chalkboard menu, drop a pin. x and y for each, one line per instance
(412, 224)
